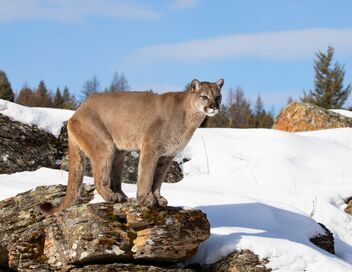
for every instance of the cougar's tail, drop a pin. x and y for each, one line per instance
(75, 177)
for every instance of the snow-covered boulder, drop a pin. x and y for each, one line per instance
(307, 117)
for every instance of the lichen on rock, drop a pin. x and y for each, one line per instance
(86, 234)
(307, 117)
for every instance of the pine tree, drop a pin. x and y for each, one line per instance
(69, 101)
(258, 111)
(329, 91)
(5, 88)
(230, 97)
(239, 111)
(259, 107)
(90, 87)
(262, 118)
(58, 100)
(26, 97)
(289, 100)
(43, 96)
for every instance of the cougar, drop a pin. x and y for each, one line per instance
(159, 125)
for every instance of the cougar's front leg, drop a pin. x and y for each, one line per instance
(116, 174)
(159, 176)
(146, 167)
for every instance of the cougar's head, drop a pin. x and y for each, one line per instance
(207, 96)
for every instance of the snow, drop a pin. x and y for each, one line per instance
(48, 119)
(263, 190)
(344, 112)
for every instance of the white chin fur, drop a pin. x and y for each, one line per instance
(211, 114)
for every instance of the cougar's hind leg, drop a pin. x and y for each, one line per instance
(146, 167)
(75, 175)
(116, 173)
(98, 145)
(159, 176)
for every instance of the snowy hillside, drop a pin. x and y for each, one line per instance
(262, 190)
(344, 112)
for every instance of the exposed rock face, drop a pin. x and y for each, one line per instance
(325, 241)
(306, 117)
(24, 147)
(127, 268)
(239, 261)
(348, 208)
(86, 234)
(22, 227)
(123, 232)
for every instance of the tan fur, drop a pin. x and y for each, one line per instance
(160, 126)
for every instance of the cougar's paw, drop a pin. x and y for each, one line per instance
(148, 201)
(117, 198)
(162, 201)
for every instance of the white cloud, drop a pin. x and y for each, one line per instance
(267, 45)
(183, 4)
(72, 10)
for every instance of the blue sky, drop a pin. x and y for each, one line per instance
(266, 47)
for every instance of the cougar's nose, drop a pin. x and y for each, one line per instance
(214, 107)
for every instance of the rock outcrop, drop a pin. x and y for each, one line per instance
(306, 117)
(87, 234)
(127, 268)
(25, 148)
(21, 223)
(324, 241)
(348, 208)
(239, 261)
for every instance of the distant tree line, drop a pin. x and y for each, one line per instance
(119, 83)
(41, 96)
(241, 114)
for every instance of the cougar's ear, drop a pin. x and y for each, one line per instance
(195, 85)
(220, 83)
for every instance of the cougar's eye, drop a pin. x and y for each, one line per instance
(218, 97)
(204, 97)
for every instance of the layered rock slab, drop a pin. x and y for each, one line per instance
(125, 232)
(22, 225)
(88, 234)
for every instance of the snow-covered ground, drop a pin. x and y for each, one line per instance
(344, 112)
(262, 190)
